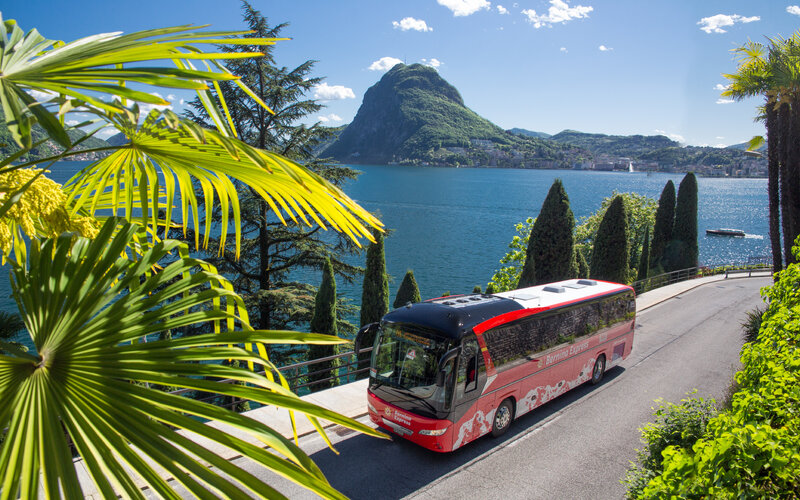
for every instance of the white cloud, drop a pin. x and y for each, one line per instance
(502, 10)
(432, 62)
(559, 12)
(384, 63)
(464, 7)
(72, 123)
(106, 132)
(330, 118)
(42, 96)
(724, 101)
(719, 137)
(714, 24)
(146, 108)
(721, 87)
(181, 102)
(603, 48)
(171, 97)
(793, 9)
(409, 23)
(674, 137)
(333, 92)
(563, 49)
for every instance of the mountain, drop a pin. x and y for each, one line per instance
(49, 147)
(117, 139)
(413, 116)
(616, 145)
(742, 146)
(529, 133)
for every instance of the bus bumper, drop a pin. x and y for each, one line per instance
(429, 433)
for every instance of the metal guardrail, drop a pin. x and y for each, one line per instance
(300, 375)
(297, 375)
(653, 282)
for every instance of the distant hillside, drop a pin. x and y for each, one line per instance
(49, 148)
(744, 145)
(529, 133)
(413, 116)
(631, 146)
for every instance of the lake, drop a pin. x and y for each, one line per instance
(452, 226)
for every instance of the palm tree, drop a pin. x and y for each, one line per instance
(752, 79)
(94, 308)
(773, 70)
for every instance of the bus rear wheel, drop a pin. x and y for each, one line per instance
(502, 418)
(599, 369)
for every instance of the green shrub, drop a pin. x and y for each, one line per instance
(752, 450)
(678, 426)
(752, 324)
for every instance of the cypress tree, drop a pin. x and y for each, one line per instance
(489, 289)
(477, 289)
(644, 262)
(662, 231)
(684, 232)
(582, 265)
(375, 292)
(551, 242)
(610, 255)
(408, 291)
(324, 321)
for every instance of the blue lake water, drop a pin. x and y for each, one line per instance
(452, 226)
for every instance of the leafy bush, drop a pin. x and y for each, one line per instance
(678, 426)
(752, 450)
(752, 324)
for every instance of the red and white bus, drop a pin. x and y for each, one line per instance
(447, 371)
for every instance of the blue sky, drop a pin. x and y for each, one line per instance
(602, 66)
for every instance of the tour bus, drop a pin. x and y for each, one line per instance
(449, 370)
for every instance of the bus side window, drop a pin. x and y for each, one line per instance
(468, 367)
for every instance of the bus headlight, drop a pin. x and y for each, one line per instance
(371, 408)
(433, 432)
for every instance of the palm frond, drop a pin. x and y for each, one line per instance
(91, 68)
(87, 306)
(168, 158)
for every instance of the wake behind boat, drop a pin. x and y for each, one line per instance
(725, 232)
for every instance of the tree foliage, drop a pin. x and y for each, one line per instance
(640, 212)
(662, 231)
(375, 292)
(92, 307)
(549, 256)
(644, 261)
(272, 248)
(751, 450)
(682, 251)
(610, 252)
(324, 321)
(408, 291)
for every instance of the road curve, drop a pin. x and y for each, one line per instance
(577, 446)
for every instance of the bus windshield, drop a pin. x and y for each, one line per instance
(407, 358)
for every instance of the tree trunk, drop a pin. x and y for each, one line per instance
(264, 282)
(773, 181)
(784, 120)
(793, 171)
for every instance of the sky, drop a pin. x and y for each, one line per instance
(601, 66)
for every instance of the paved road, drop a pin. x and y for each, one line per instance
(577, 446)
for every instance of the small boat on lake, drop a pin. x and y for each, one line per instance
(725, 232)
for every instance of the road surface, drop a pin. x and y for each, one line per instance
(577, 446)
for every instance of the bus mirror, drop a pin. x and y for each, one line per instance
(359, 340)
(448, 356)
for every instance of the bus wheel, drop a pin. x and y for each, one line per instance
(502, 418)
(599, 369)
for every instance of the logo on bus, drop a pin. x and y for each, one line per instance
(387, 411)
